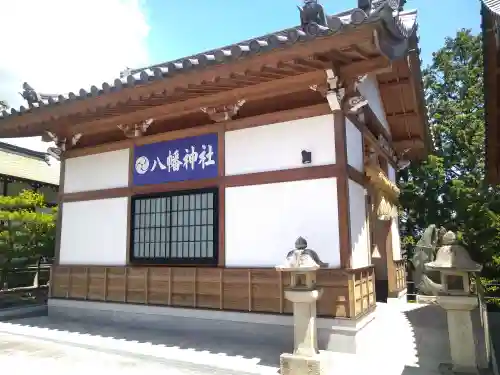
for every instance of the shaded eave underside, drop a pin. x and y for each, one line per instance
(490, 21)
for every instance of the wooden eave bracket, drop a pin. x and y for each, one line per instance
(342, 94)
(224, 112)
(61, 143)
(135, 130)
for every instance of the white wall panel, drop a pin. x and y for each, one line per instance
(94, 232)
(278, 146)
(354, 141)
(396, 239)
(360, 239)
(96, 172)
(369, 88)
(263, 222)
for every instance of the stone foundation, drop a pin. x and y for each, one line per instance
(336, 335)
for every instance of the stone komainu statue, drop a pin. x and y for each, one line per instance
(427, 283)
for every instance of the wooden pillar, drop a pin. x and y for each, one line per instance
(342, 190)
(57, 251)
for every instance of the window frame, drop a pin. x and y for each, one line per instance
(209, 261)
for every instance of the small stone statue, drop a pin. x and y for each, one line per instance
(30, 95)
(427, 282)
(310, 13)
(301, 256)
(452, 255)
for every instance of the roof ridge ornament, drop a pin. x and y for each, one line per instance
(135, 130)
(30, 95)
(312, 15)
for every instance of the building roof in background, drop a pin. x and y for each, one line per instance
(27, 164)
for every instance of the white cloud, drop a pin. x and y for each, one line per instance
(58, 46)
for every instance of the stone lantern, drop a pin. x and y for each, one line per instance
(455, 267)
(302, 264)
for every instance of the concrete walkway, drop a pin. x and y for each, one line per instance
(30, 356)
(406, 339)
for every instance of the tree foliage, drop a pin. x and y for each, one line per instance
(27, 230)
(448, 188)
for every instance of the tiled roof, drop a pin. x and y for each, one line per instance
(493, 6)
(399, 26)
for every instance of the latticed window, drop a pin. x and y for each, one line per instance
(175, 228)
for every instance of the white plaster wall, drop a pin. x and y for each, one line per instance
(94, 232)
(396, 239)
(95, 172)
(370, 90)
(391, 173)
(263, 222)
(360, 239)
(354, 141)
(278, 146)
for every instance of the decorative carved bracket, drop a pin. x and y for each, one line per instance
(62, 144)
(223, 113)
(136, 130)
(342, 94)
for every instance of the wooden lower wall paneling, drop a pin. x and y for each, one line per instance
(364, 291)
(346, 293)
(400, 269)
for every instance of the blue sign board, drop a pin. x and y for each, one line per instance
(192, 158)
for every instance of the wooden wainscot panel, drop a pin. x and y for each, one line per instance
(362, 289)
(208, 285)
(335, 298)
(346, 294)
(400, 269)
(264, 290)
(183, 286)
(160, 282)
(235, 289)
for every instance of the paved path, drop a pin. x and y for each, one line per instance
(29, 356)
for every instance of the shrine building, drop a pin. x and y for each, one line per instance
(185, 183)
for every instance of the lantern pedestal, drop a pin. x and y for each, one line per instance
(305, 358)
(301, 264)
(461, 333)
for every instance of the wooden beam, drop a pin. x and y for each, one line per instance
(256, 92)
(359, 68)
(394, 84)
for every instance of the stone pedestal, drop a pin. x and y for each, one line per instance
(305, 359)
(461, 334)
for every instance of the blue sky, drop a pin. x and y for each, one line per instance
(181, 29)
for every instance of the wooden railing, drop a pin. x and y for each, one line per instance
(346, 293)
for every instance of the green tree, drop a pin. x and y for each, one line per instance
(448, 187)
(27, 231)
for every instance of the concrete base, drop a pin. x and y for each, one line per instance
(426, 299)
(293, 364)
(334, 335)
(397, 297)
